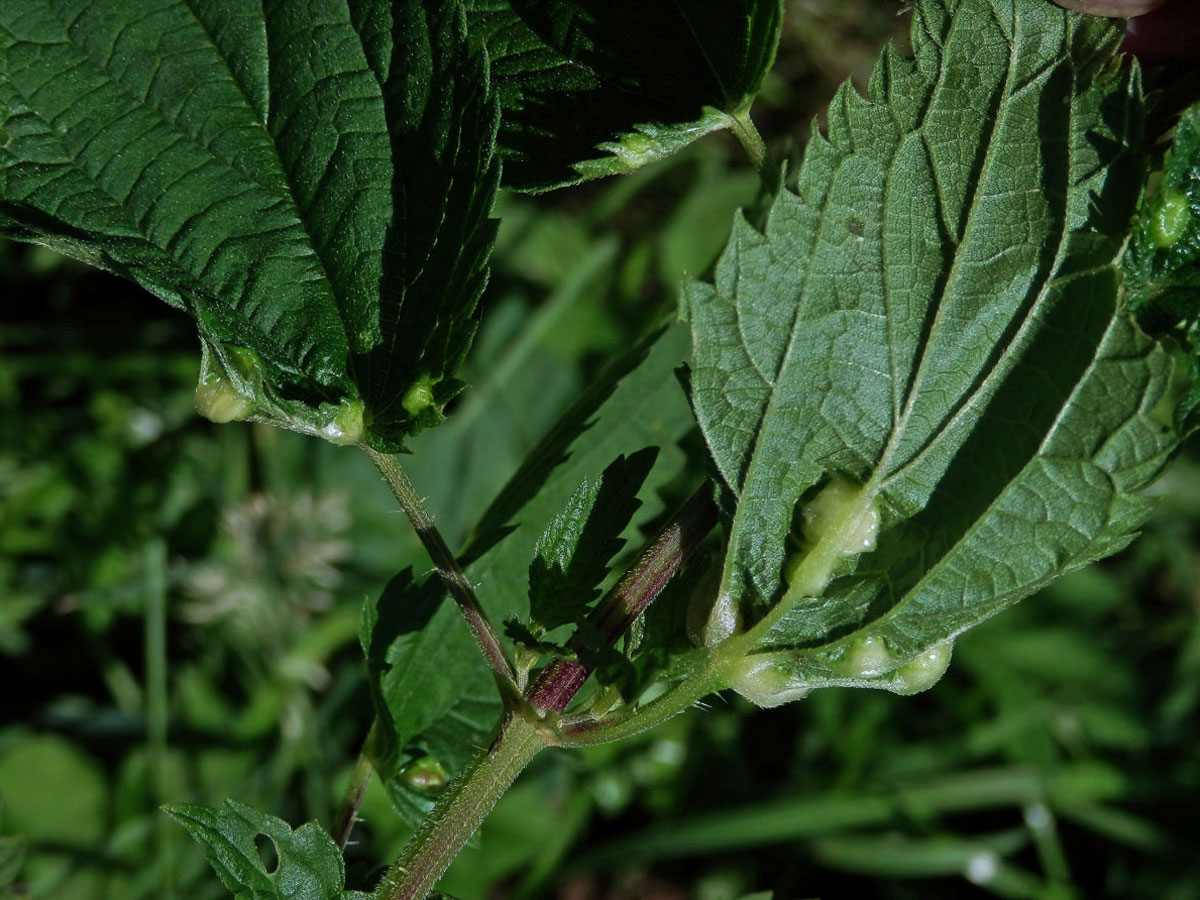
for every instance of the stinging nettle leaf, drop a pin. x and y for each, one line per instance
(926, 353)
(309, 865)
(313, 189)
(452, 704)
(591, 88)
(572, 555)
(402, 648)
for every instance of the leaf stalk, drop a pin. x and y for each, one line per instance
(352, 800)
(752, 142)
(450, 571)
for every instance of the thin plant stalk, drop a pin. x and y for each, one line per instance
(460, 810)
(747, 134)
(527, 730)
(629, 597)
(449, 569)
(360, 778)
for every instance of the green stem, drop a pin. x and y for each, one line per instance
(743, 128)
(472, 795)
(713, 677)
(451, 572)
(459, 812)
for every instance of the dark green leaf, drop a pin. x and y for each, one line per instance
(635, 404)
(442, 119)
(313, 189)
(309, 865)
(410, 633)
(572, 555)
(597, 87)
(520, 633)
(930, 333)
(1162, 263)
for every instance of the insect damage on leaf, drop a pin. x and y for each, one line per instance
(955, 365)
(923, 672)
(419, 396)
(1170, 218)
(764, 683)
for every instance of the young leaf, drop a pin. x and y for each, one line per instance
(312, 188)
(571, 557)
(928, 344)
(597, 87)
(308, 866)
(1162, 273)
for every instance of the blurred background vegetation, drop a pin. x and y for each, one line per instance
(179, 604)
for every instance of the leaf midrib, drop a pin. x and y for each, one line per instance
(176, 127)
(880, 477)
(996, 367)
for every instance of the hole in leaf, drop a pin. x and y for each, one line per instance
(268, 853)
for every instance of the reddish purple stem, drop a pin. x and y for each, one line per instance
(560, 681)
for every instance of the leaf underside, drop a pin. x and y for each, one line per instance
(598, 87)
(934, 313)
(313, 189)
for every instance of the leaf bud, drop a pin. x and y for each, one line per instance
(424, 774)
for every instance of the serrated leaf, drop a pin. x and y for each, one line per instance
(636, 403)
(313, 189)
(572, 555)
(1162, 263)
(524, 635)
(931, 322)
(404, 645)
(309, 864)
(599, 87)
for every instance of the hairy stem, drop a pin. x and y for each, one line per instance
(714, 676)
(743, 129)
(451, 572)
(560, 681)
(460, 810)
(472, 795)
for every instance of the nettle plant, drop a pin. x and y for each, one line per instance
(935, 376)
